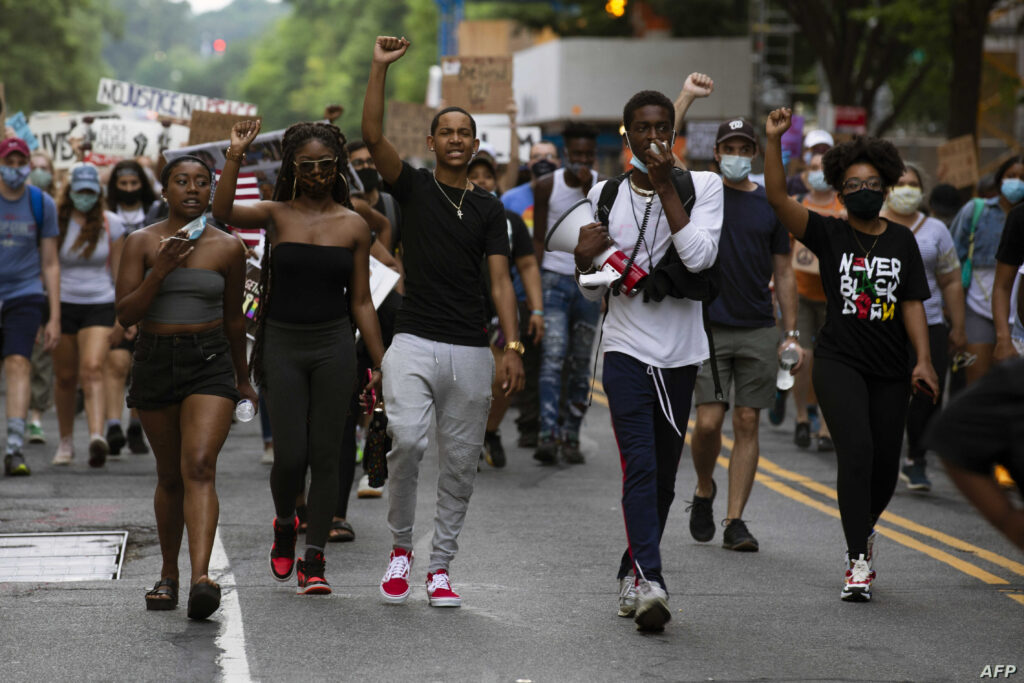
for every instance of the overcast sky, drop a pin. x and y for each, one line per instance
(210, 5)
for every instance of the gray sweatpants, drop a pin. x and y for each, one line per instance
(423, 378)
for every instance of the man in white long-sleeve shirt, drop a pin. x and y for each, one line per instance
(652, 349)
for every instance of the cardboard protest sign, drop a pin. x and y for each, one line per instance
(208, 126)
(21, 129)
(408, 125)
(166, 102)
(494, 130)
(958, 162)
(478, 84)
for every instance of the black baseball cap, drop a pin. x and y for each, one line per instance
(736, 128)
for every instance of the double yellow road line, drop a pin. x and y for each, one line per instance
(775, 478)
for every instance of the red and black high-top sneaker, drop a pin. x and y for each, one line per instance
(310, 572)
(282, 553)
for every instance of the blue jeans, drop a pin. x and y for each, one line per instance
(569, 325)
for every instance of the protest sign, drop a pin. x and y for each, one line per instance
(166, 102)
(208, 126)
(493, 130)
(408, 125)
(21, 129)
(958, 162)
(52, 133)
(262, 159)
(126, 138)
(700, 140)
(478, 84)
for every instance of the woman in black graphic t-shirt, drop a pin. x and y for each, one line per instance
(874, 283)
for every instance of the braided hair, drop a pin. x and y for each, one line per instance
(285, 190)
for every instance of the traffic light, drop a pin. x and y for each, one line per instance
(616, 8)
(220, 45)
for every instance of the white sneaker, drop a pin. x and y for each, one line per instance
(857, 581)
(651, 607)
(627, 596)
(367, 491)
(268, 455)
(871, 551)
(65, 453)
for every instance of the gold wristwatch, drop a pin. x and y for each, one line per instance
(516, 346)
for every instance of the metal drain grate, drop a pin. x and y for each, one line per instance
(74, 556)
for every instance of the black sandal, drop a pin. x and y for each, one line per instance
(347, 532)
(203, 600)
(164, 595)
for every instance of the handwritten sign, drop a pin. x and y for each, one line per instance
(166, 102)
(126, 138)
(208, 126)
(958, 162)
(478, 84)
(407, 127)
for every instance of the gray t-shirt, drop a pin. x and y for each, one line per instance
(939, 256)
(89, 280)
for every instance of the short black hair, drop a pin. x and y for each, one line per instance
(1005, 166)
(864, 149)
(355, 146)
(165, 175)
(447, 110)
(645, 98)
(577, 130)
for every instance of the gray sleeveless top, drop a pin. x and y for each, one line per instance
(188, 296)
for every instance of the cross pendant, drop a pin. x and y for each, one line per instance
(459, 213)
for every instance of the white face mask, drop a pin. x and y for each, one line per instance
(904, 199)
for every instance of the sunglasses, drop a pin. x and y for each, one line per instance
(314, 166)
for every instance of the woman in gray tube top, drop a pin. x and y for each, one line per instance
(189, 369)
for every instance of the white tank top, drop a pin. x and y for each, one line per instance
(562, 197)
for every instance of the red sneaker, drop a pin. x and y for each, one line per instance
(311, 576)
(282, 553)
(395, 584)
(439, 590)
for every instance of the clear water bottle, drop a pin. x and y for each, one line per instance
(245, 410)
(788, 359)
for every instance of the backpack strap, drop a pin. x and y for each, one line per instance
(607, 198)
(35, 199)
(968, 266)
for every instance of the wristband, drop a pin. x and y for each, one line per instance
(239, 157)
(536, 312)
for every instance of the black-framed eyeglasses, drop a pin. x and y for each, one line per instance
(314, 165)
(855, 184)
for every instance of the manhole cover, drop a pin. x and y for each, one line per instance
(75, 556)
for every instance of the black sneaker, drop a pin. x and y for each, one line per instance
(777, 413)
(528, 440)
(282, 553)
(15, 465)
(310, 573)
(915, 478)
(737, 537)
(571, 452)
(802, 437)
(702, 519)
(494, 452)
(136, 441)
(115, 439)
(547, 451)
(825, 444)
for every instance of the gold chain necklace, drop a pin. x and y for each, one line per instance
(867, 252)
(458, 207)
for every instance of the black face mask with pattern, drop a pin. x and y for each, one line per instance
(316, 184)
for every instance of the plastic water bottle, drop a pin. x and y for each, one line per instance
(245, 410)
(788, 359)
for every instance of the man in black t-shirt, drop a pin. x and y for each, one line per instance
(1009, 258)
(439, 363)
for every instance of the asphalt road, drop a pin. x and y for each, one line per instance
(536, 570)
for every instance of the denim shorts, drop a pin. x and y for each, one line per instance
(168, 368)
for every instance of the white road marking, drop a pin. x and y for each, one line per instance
(233, 662)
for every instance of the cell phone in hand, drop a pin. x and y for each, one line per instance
(369, 399)
(921, 387)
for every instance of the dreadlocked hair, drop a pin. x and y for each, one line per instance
(88, 234)
(295, 137)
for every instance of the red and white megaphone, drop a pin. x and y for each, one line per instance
(564, 235)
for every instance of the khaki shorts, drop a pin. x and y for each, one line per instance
(748, 362)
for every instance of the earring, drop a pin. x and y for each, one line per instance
(344, 180)
(294, 180)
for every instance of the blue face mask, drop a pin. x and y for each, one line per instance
(636, 161)
(734, 167)
(817, 181)
(84, 201)
(14, 176)
(1013, 189)
(195, 228)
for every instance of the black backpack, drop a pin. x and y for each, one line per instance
(670, 277)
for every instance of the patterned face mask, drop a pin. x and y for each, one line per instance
(315, 178)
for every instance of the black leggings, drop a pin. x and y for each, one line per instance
(866, 416)
(309, 373)
(921, 407)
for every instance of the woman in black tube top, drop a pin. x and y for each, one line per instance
(183, 285)
(315, 269)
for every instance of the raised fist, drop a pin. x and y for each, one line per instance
(387, 49)
(778, 123)
(699, 85)
(243, 133)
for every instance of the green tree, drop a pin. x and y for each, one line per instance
(51, 55)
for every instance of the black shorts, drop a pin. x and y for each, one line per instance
(20, 319)
(984, 424)
(74, 317)
(168, 368)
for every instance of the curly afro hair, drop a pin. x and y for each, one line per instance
(862, 149)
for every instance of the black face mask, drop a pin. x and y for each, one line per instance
(129, 197)
(864, 203)
(543, 168)
(369, 178)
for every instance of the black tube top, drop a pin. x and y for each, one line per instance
(308, 283)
